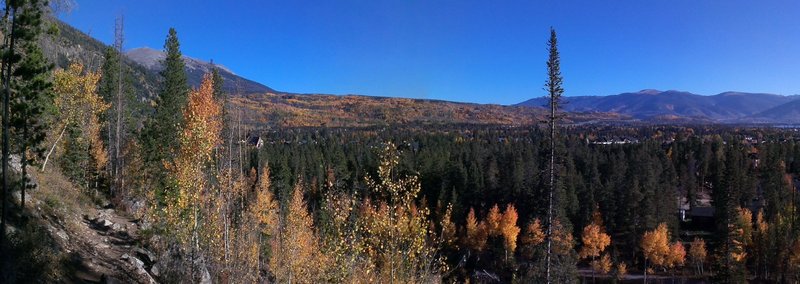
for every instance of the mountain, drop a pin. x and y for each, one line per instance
(785, 113)
(654, 105)
(195, 69)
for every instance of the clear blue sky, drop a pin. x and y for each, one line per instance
(474, 51)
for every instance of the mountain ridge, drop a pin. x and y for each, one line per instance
(726, 107)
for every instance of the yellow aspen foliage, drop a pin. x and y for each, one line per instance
(473, 236)
(534, 233)
(563, 242)
(509, 228)
(621, 271)
(296, 254)
(655, 245)
(343, 244)
(740, 235)
(745, 222)
(77, 99)
(602, 265)
(698, 253)
(448, 234)
(200, 133)
(78, 103)
(493, 220)
(266, 208)
(594, 241)
(677, 255)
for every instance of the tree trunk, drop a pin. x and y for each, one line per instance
(46, 158)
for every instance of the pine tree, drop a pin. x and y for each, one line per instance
(21, 59)
(120, 121)
(555, 90)
(32, 97)
(159, 139)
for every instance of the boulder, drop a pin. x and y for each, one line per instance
(105, 224)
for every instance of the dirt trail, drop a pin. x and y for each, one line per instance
(102, 248)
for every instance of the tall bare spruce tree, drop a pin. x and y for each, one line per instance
(554, 90)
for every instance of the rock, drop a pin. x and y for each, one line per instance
(116, 227)
(105, 224)
(16, 163)
(154, 270)
(125, 256)
(136, 262)
(105, 213)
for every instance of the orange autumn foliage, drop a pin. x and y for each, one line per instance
(493, 220)
(509, 229)
(677, 256)
(295, 252)
(655, 245)
(476, 232)
(594, 241)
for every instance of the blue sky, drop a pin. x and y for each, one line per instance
(474, 51)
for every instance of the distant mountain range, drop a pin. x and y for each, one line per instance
(654, 105)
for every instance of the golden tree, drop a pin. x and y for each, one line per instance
(199, 136)
(398, 230)
(533, 236)
(595, 241)
(697, 253)
(621, 271)
(266, 209)
(509, 229)
(476, 234)
(80, 105)
(677, 255)
(448, 229)
(493, 220)
(655, 246)
(295, 252)
(602, 265)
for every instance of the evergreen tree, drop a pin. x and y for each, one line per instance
(32, 97)
(555, 90)
(115, 87)
(160, 140)
(21, 72)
